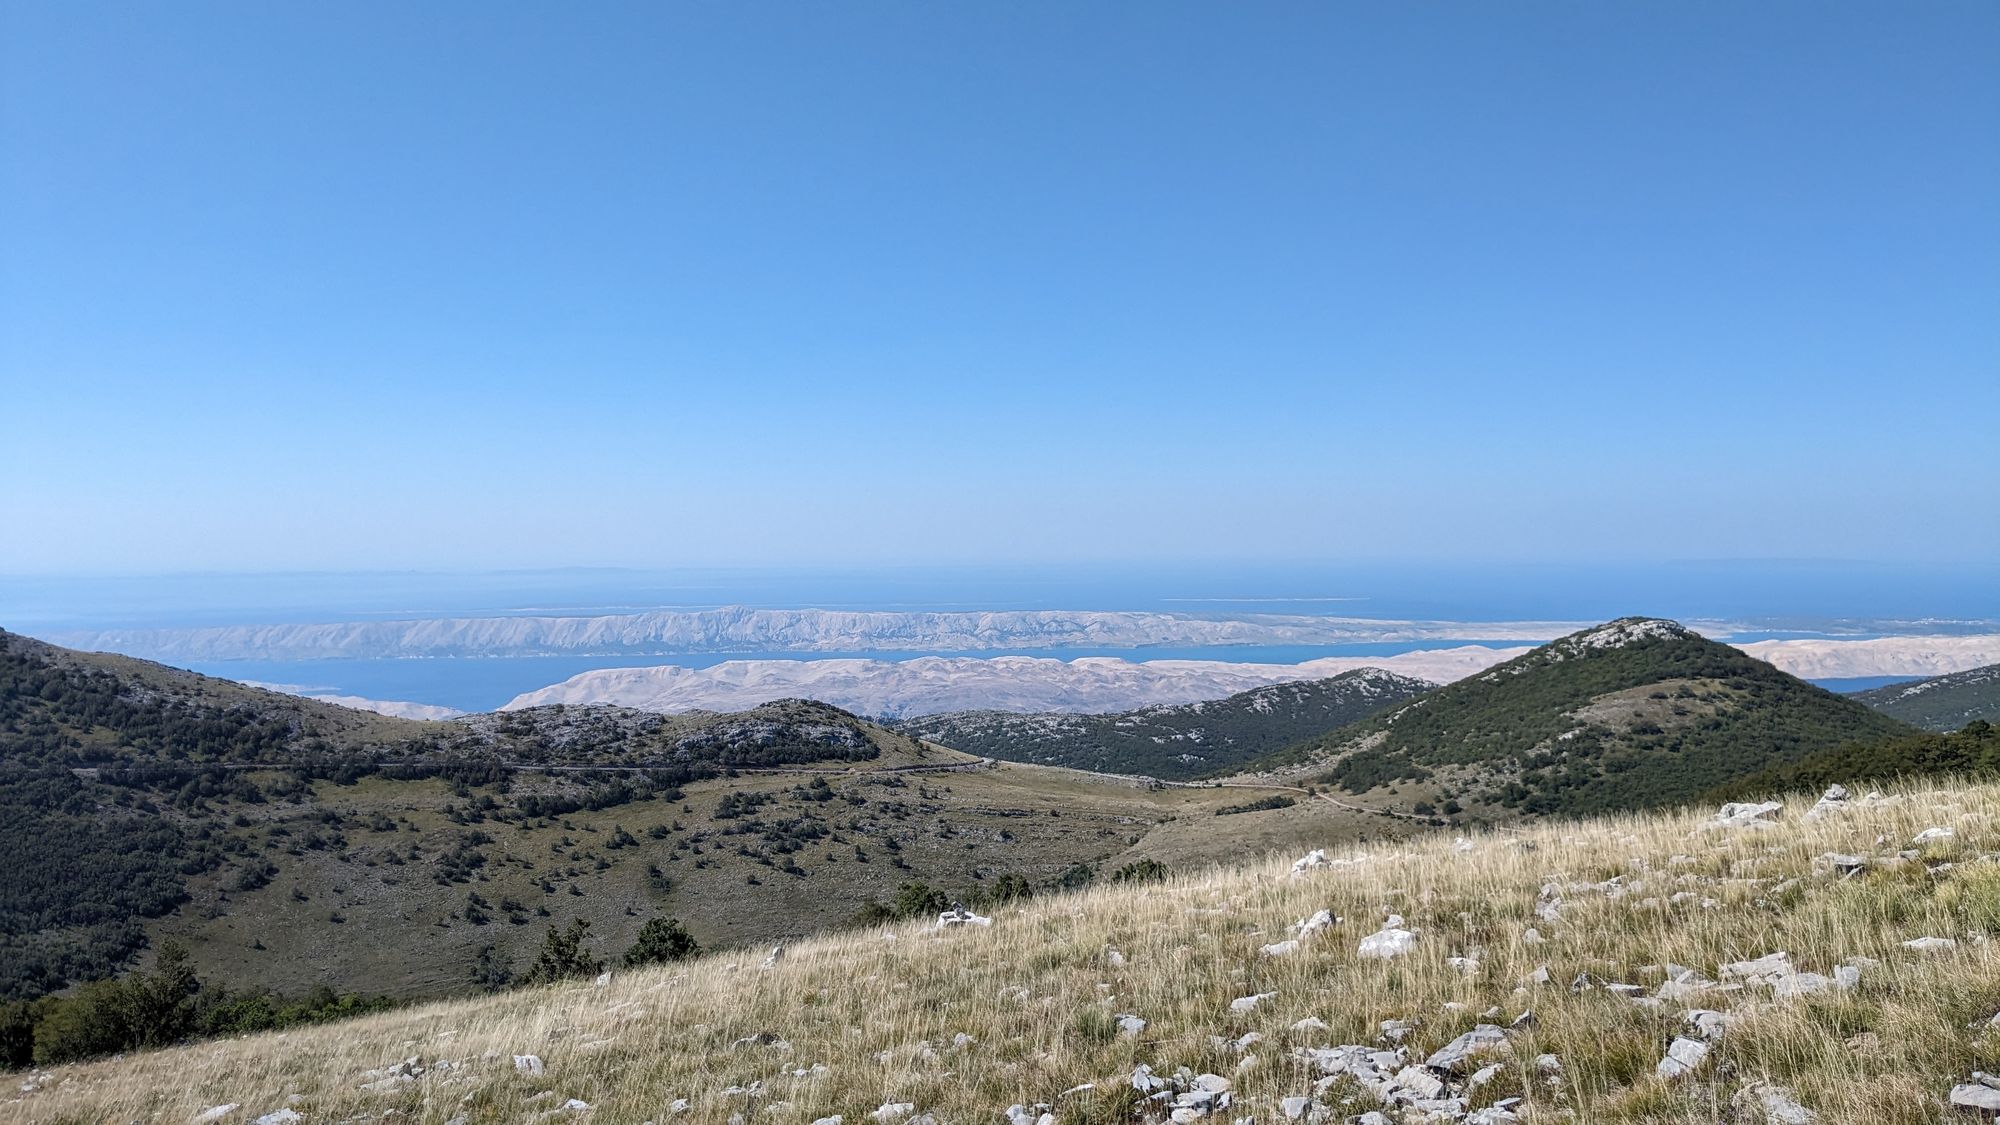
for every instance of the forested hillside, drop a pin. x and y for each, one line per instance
(1971, 752)
(1175, 742)
(1940, 703)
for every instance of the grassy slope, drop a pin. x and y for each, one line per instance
(1178, 742)
(1581, 726)
(1942, 702)
(1036, 994)
(370, 882)
(405, 934)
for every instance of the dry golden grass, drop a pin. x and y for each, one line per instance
(862, 1019)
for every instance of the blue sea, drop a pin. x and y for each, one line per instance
(1767, 598)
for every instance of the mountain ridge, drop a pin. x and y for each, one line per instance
(750, 629)
(1629, 714)
(1940, 703)
(933, 684)
(1173, 741)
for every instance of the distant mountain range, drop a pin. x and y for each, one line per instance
(1941, 702)
(1181, 741)
(1635, 713)
(935, 685)
(742, 629)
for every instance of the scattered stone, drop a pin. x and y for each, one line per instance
(213, 1113)
(1930, 834)
(1131, 1025)
(1748, 814)
(1531, 936)
(1831, 801)
(960, 916)
(1114, 958)
(1308, 861)
(1775, 1103)
(285, 1116)
(835, 1119)
(1931, 944)
(1707, 1023)
(1453, 1055)
(1418, 1080)
(1848, 866)
(1395, 1031)
(1389, 941)
(1764, 970)
(528, 1064)
(777, 955)
(1249, 1003)
(1323, 920)
(1683, 1057)
(1975, 1095)
(894, 1111)
(1314, 1023)
(1281, 948)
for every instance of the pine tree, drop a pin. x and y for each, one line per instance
(563, 956)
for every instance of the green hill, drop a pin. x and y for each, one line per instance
(1175, 742)
(1636, 713)
(1940, 703)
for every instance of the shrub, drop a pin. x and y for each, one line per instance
(661, 940)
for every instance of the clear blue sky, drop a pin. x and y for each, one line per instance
(436, 285)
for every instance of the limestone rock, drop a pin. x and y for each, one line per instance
(1683, 1057)
(1453, 1055)
(1244, 1004)
(1831, 801)
(1748, 814)
(1775, 1104)
(1975, 1095)
(1389, 941)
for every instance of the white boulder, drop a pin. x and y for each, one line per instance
(1684, 1056)
(1389, 941)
